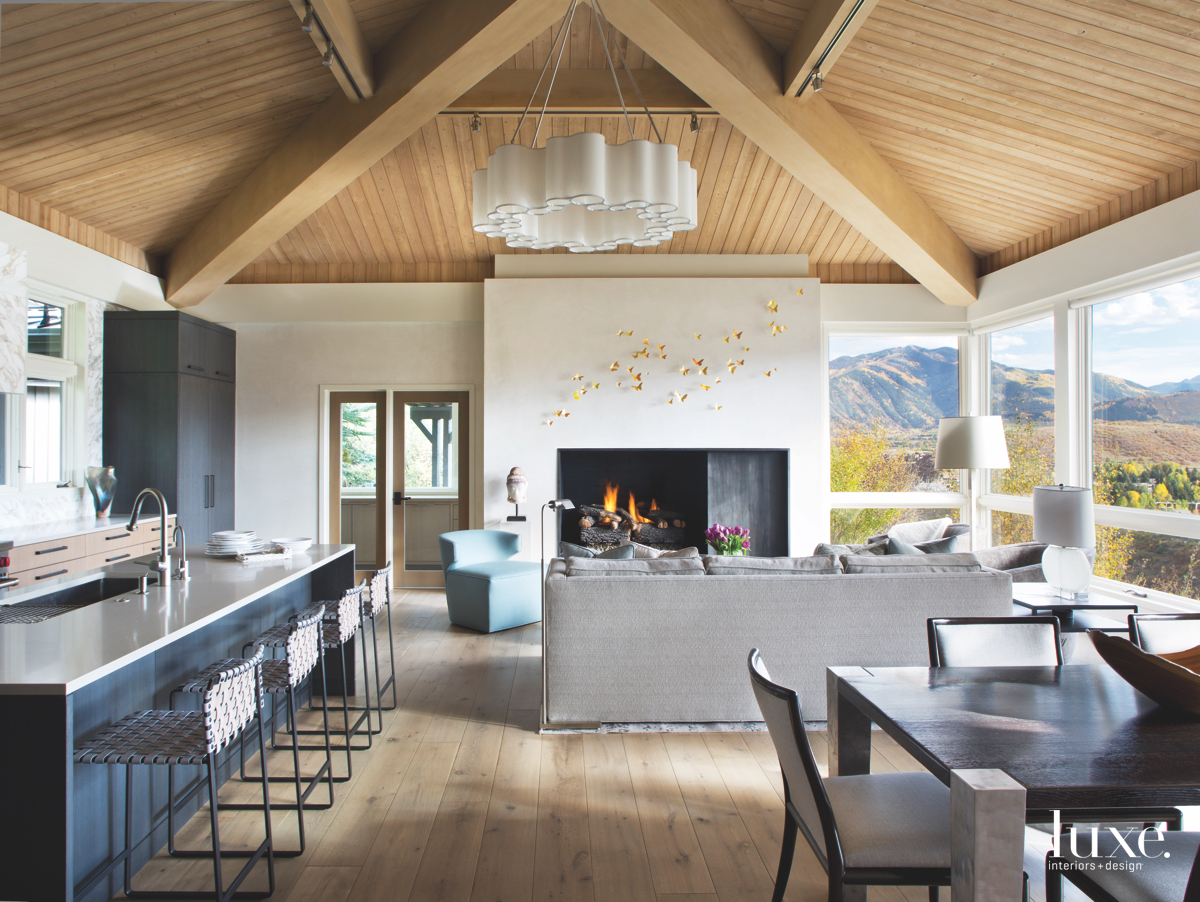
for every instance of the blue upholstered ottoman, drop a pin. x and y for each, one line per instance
(485, 590)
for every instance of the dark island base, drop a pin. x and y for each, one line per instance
(61, 821)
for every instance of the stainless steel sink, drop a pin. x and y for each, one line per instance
(65, 600)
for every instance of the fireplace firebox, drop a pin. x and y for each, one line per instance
(667, 497)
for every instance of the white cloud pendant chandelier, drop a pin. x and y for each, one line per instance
(580, 193)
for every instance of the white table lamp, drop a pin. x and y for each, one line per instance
(1063, 518)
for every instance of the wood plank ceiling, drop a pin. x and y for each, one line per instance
(1022, 124)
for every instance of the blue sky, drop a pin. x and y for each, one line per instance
(853, 345)
(1149, 337)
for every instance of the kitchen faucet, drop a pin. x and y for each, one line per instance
(179, 538)
(163, 564)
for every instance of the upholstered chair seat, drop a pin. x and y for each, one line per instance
(485, 589)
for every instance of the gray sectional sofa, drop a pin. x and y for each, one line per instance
(666, 640)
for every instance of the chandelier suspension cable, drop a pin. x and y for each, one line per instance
(607, 56)
(553, 75)
(562, 30)
(625, 64)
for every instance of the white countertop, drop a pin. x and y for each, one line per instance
(65, 529)
(61, 655)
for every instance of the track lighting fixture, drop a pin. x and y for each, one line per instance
(327, 56)
(476, 123)
(818, 82)
(695, 123)
(306, 24)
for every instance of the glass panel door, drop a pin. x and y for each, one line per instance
(358, 455)
(431, 432)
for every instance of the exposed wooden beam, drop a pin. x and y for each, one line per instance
(579, 90)
(817, 32)
(445, 50)
(339, 22)
(716, 53)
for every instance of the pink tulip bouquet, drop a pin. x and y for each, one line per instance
(728, 539)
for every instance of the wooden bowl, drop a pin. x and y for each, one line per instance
(1164, 681)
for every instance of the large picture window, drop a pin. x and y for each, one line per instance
(1021, 391)
(886, 396)
(1145, 428)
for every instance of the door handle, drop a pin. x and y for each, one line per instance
(399, 498)
(206, 492)
(213, 490)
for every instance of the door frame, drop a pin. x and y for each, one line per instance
(382, 451)
(474, 515)
(428, 579)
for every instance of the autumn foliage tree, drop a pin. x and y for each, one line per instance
(862, 459)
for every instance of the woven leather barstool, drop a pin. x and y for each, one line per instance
(231, 697)
(342, 622)
(379, 597)
(300, 642)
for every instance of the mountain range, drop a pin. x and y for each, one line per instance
(911, 388)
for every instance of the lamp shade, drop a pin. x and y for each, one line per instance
(971, 443)
(1062, 515)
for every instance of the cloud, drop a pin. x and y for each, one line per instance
(1161, 307)
(1004, 342)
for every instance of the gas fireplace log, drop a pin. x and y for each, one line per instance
(585, 522)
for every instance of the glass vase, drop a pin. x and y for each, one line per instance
(102, 482)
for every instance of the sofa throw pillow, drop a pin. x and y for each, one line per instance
(646, 553)
(899, 546)
(578, 566)
(944, 545)
(879, 547)
(619, 553)
(921, 531)
(905, 563)
(732, 565)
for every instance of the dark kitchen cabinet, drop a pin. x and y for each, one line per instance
(169, 390)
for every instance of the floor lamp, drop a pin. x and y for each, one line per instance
(971, 444)
(558, 504)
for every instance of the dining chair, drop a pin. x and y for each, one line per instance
(1173, 875)
(1025, 642)
(1158, 633)
(867, 830)
(994, 641)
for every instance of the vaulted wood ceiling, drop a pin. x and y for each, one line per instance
(1021, 124)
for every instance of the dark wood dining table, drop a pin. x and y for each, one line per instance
(1076, 736)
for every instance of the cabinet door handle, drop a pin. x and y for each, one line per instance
(123, 535)
(119, 557)
(198, 369)
(52, 550)
(213, 490)
(48, 575)
(219, 373)
(206, 493)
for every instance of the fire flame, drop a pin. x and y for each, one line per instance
(653, 504)
(633, 511)
(610, 497)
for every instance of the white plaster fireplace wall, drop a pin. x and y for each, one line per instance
(539, 333)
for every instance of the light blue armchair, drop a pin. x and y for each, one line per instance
(485, 590)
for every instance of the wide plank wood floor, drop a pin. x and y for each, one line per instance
(462, 800)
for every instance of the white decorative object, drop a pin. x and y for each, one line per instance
(579, 192)
(517, 485)
(1064, 519)
(584, 194)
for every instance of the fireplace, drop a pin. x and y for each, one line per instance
(667, 497)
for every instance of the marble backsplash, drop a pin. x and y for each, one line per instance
(12, 319)
(64, 504)
(94, 387)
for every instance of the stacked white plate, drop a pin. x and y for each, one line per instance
(231, 543)
(295, 544)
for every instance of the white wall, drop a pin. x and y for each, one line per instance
(541, 332)
(280, 369)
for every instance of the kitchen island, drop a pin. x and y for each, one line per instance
(66, 676)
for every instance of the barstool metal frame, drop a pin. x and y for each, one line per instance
(380, 594)
(224, 718)
(342, 620)
(301, 641)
